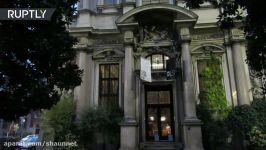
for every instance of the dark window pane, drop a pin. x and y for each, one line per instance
(152, 122)
(152, 97)
(114, 87)
(104, 87)
(201, 64)
(103, 100)
(165, 121)
(164, 97)
(113, 101)
(109, 85)
(104, 71)
(114, 71)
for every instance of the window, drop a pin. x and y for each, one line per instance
(158, 61)
(110, 2)
(201, 64)
(209, 70)
(109, 85)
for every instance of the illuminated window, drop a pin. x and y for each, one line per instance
(109, 85)
(158, 61)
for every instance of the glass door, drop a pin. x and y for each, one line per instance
(159, 113)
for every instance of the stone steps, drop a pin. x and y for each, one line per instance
(160, 146)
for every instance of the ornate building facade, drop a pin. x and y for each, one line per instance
(113, 35)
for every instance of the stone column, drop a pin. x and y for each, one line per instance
(229, 59)
(191, 124)
(241, 77)
(82, 96)
(129, 125)
(84, 61)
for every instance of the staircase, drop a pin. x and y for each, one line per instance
(160, 146)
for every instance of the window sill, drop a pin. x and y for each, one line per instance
(106, 9)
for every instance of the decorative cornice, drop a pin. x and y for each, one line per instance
(177, 9)
(74, 30)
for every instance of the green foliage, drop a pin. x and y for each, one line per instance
(215, 132)
(252, 15)
(58, 120)
(213, 94)
(249, 122)
(99, 122)
(35, 57)
(213, 108)
(257, 137)
(242, 119)
(260, 107)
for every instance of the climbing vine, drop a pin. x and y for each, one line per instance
(213, 93)
(213, 108)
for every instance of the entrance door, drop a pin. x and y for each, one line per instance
(159, 113)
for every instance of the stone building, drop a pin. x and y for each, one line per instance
(113, 37)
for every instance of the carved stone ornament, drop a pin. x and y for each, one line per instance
(108, 55)
(160, 50)
(154, 33)
(207, 36)
(128, 37)
(207, 50)
(83, 42)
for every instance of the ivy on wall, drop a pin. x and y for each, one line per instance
(213, 108)
(212, 95)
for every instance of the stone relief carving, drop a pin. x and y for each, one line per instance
(206, 50)
(207, 36)
(155, 33)
(108, 55)
(107, 41)
(83, 43)
(143, 52)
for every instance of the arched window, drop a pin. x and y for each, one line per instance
(158, 61)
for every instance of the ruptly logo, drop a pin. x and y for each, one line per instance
(26, 13)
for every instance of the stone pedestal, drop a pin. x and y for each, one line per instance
(129, 136)
(192, 134)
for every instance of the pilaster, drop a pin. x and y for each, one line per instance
(191, 124)
(129, 125)
(84, 61)
(229, 59)
(241, 76)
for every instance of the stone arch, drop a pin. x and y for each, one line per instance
(183, 14)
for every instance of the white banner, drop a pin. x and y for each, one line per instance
(145, 69)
